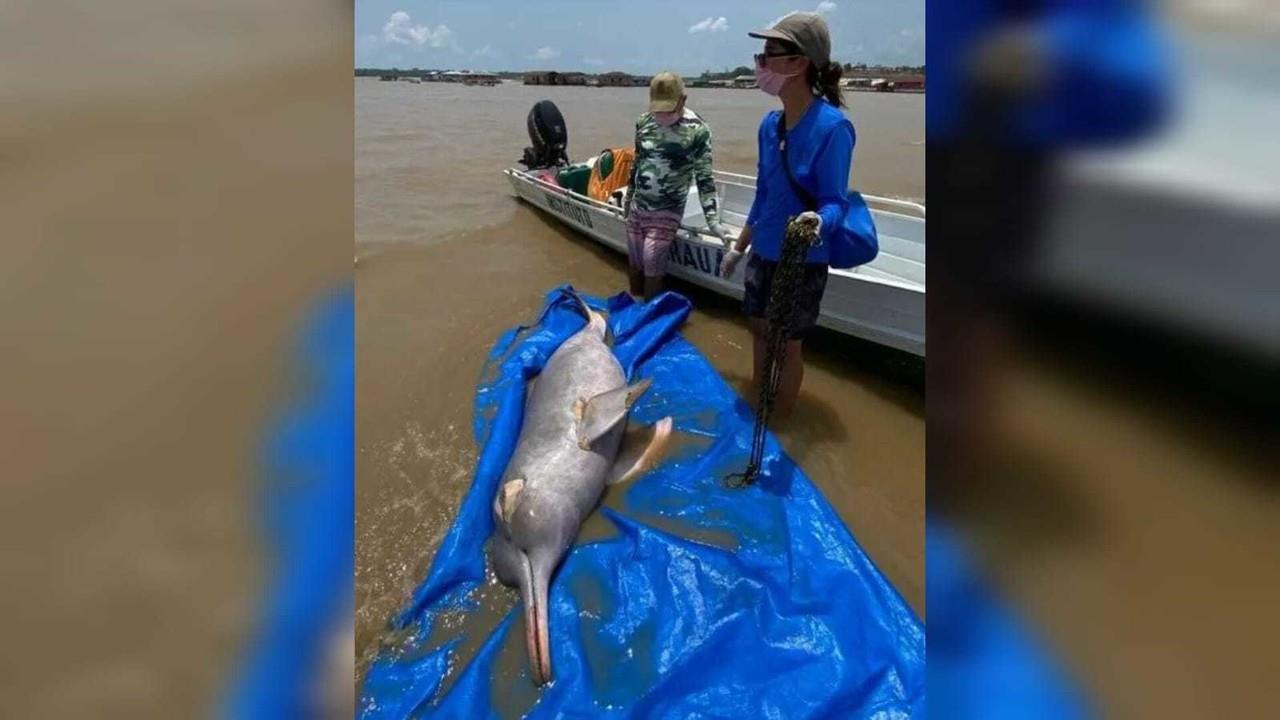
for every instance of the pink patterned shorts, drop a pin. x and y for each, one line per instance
(650, 234)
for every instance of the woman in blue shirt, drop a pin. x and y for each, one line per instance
(795, 67)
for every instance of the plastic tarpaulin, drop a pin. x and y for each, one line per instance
(705, 602)
(985, 663)
(304, 513)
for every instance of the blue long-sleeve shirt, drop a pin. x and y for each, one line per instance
(820, 151)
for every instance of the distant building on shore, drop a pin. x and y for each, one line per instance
(552, 77)
(615, 79)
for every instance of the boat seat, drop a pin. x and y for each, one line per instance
(575, 178)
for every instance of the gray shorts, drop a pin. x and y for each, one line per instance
(759, 283)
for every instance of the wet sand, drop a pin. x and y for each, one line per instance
(449, 259)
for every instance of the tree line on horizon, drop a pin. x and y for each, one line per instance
(849, 68)
(725, 74)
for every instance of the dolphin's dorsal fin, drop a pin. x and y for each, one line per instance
(602, 413)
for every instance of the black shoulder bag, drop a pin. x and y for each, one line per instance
(809, 202)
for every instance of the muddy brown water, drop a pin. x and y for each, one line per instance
(449, 259)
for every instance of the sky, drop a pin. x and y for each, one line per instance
(636, 36)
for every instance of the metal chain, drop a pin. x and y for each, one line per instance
(784, 296)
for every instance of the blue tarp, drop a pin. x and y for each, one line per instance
(985, 663)
(708, 602)
(305, 515)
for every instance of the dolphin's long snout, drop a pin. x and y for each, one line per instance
(534, 592)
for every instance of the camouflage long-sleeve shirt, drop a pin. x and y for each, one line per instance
(668, 159)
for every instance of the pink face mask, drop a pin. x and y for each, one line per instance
(667, 119)
(771, 81)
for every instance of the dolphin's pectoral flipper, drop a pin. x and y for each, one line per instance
(603, 412)
(508, 495)
(638, 457)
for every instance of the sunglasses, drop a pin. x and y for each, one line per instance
(762, 58)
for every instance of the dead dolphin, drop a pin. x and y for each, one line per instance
(567, 452)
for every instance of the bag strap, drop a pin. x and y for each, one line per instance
(800, 192)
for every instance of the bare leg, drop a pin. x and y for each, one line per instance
(792, 375)
(652, 287)
(637, 281)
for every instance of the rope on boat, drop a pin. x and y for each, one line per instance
(780, 315)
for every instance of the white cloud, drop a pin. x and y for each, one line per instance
(719, 24)
(486, 51)
(545, 52)
(905, 32)
(826, 6)
(401, 31)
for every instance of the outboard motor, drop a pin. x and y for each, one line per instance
(549, 137)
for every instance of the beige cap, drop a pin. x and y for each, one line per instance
(665, 91)
(807, 31)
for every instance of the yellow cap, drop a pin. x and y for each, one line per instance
(665, 91)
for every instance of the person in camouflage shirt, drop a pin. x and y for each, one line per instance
(673, 150)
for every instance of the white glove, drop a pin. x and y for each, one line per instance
(722, 232)
(730, 263)
(810, 216)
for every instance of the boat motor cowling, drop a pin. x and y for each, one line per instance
(549, 136)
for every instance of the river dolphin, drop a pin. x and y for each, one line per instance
(567, 452)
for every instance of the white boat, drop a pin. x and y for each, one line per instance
(882, 301)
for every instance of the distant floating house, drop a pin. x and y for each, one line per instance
(552, 77)
(477, 78)
(900, 83)
(745, 81)
(615, 79)
(468, 77)
(909, 83)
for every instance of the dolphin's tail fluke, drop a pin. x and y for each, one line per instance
(595, 320)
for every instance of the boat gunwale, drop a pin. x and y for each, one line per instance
(878, 199)
(616, 211)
